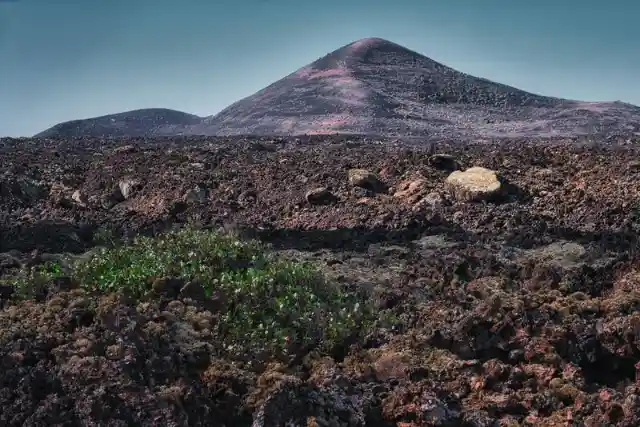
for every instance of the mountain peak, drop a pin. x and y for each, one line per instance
(372, 86)
(372, 43)
(370, 50)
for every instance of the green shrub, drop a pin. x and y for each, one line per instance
(270, 303)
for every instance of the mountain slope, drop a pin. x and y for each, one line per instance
(151, 121)
(374, 86)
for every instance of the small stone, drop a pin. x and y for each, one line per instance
(363, 178)
(433, 199)
(556, 383)
(79, 198)
(79, 302)
(319, 195)
(198, 194)
(176, 307)
(458, 216)
(568, 391)
(388, 172)
(633, 166)
(57, 193)
(444, 161)
(632, 402)
(115, 352)
(544, 172)
(391, 365)
(127, 187)
(248, 197)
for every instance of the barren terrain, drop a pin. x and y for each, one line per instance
(522, 310)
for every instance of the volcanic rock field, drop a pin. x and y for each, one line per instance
(399, 244)
(506, 298)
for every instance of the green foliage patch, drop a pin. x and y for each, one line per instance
(269, 303)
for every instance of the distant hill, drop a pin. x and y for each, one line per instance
(151, 121)
(376, 87)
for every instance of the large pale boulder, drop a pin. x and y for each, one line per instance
(474, 184)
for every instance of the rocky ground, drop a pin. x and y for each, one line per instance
(516, 303)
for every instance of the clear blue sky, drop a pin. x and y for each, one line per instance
(67, 59)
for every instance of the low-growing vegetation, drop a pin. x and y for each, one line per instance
(268, 303)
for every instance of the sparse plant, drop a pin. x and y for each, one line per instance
(31, 280)
(105, 237)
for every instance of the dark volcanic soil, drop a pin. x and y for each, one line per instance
(520, 311)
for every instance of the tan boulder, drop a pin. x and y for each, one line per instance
(364, 178)
(433, 200)
(473, 184)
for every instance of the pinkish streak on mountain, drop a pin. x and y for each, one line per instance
(329, 125)
(319, 126)
(309, 73)
(339, 79)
